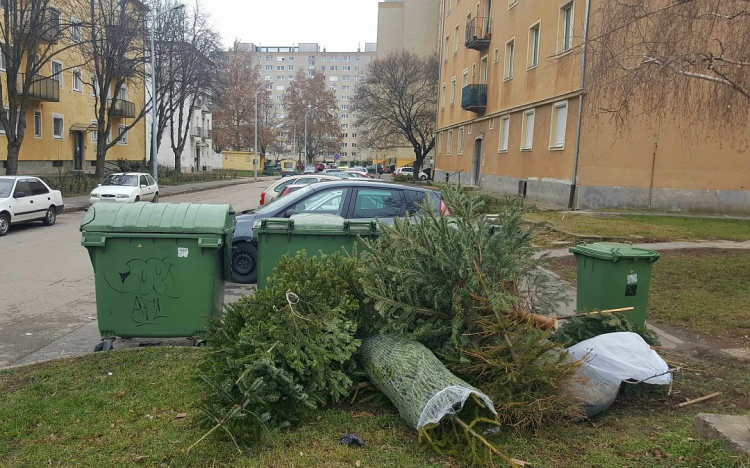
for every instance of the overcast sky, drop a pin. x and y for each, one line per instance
(339, 25)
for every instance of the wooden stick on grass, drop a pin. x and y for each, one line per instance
(698, 400)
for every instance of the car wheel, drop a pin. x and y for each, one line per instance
(4, 224)
(423, 177)
(137, 198)
(50, 217)
(244, 263)
(156, 198)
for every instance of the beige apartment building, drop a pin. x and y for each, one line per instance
(60, 131)
(513, 119)
(343, 72)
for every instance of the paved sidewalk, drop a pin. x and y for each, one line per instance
(81, 203)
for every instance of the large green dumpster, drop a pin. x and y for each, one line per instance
(613, 276)
(159, 268)
(268, 169)
(313, 233)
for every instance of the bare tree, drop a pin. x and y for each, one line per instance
(116, 51)
(234, 115)
(309, 95)
(397, 104)
(31, 28)
(654, 56)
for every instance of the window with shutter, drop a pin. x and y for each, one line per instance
(559, 124)
(528, 130)
(504, 130)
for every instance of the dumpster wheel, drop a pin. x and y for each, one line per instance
(104, 345)
(198, 343)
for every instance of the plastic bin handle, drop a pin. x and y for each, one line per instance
(93, 241)
(210, 242)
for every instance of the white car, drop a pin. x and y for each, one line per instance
(409, 171)
(275, 189)
(25, 198)
(126, 187)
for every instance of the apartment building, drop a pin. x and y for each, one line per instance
(198, 153)
(513, 118)
(343, 72)
(60, 121)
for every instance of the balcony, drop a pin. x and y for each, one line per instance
(122, 109)
(201, 132)
(42, 88)
(478, 33)
(474, 98)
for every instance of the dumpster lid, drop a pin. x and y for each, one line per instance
(614, 251)
(309, 223)
(183, 218)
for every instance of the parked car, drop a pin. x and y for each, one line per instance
(333, 171)
(350, 199)
(309, 169)
(319, 167)
(288, 167)
(375, 169)
(358, 172)
(126, 187)
(24, 199)
(273, 191)
(409, 171)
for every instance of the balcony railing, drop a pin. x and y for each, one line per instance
(42, 88)
(474, 97)
(201, 132)
(478, 33)
(122, 109)
(47, 27)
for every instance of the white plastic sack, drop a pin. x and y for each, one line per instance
(616, 357)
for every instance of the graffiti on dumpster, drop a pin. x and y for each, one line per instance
(148, 282)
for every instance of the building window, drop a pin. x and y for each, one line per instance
(123, 134)
(559, 125)
(460, 149)
(75, 30)
(565, 41)
(534, 36)
(37, 124)
(450, 142)
(269, 67)
(345, 77)
(453, 91)
(445, 49)
(94, 133)
(438, 141)
(280, 68)
(57, 70)
(465, 79)
(122, 94)
(527, 130)
(455, 40)
(77, 80)
(510, 56)
(94, 86)
(492, 123)
(512, 3)
(504, 131)
(334, 68)
(496, 55)
(58, 122)
(442, 98)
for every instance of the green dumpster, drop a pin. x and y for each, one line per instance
(268, 169)
(159, 268)
(314, 233)
(613, 276)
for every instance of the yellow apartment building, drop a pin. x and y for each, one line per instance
(59, 134)
(513, 118)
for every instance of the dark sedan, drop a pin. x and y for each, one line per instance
(350, 199)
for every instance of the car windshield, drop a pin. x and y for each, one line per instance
(6, 185)
(291, 199)
(124, 180)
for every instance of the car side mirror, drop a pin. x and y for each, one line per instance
(98, 185)
(144, 186)
(19, 195)
(290, 213)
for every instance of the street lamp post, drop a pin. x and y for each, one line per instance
(255, 147)
(154, 157)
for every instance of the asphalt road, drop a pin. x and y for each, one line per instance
(47, 282)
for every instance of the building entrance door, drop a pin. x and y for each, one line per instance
(477, 160)
(78, 151)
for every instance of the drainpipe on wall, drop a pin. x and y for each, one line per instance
(584, 47)
(440, 77)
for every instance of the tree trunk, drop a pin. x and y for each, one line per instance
(12, 163)
(101, 155)
(178, 162)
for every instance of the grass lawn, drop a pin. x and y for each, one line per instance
(702, 290)
(74, 413)
(643, 228)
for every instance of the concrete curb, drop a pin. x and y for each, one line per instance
(78, 207)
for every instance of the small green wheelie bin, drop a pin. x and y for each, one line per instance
(314, 233)
(613, 276)
(159, 268)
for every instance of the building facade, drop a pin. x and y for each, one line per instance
(513, 118)
(198, 153)
(343, 72)
(60, 135)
